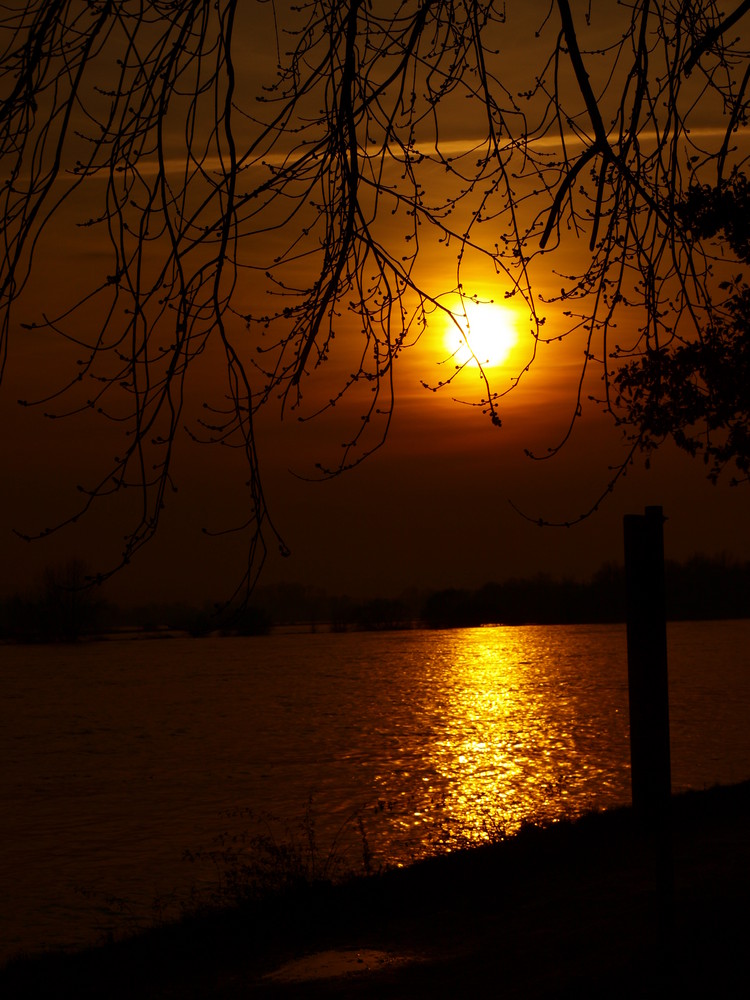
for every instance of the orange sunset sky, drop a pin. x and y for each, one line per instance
(434, 507)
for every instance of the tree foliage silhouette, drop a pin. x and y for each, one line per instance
(699, 392)
(284, 207)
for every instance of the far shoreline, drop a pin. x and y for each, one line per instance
(165, 633)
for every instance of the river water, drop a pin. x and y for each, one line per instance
(121, 756)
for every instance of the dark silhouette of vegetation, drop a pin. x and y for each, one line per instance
(295, 604)
(168, 618)
(708, 588)
(265, 225)
(539, 600)
(249, 621)
(698, 393)
(62, 608)
(702, 588)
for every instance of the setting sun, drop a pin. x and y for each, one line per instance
(481, 333)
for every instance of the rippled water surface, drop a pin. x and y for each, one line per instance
(118, 757)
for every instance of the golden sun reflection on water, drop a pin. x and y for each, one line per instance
(495, 777)
(511, 729)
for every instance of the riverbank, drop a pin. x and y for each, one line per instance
(571, 910)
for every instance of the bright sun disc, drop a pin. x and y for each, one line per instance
(483, 336)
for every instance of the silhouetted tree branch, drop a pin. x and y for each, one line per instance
(282, 217)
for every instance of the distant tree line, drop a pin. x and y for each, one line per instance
(62, 608)
(701, 588)
(296, 604)
(539, 600)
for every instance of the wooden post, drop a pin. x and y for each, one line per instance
(650, 766)
(647, 665)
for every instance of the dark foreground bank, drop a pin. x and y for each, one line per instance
(577, 909)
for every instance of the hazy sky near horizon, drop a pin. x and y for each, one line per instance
(434, 507)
